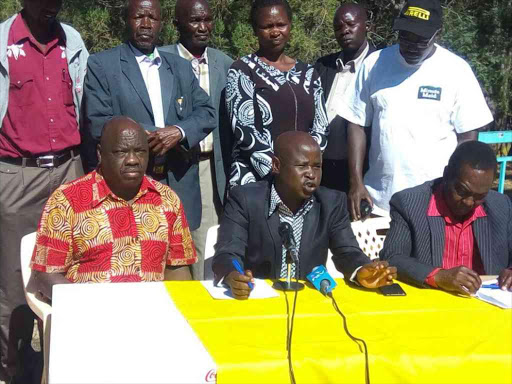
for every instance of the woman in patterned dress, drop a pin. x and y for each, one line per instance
(268, 93)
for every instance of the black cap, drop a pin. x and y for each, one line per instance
(421, 17)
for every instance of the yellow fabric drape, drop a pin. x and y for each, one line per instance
(428, 336)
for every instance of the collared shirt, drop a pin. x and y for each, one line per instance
(202, 72)
(91, 235)
(459, 244)
(337, 144)
(149, 66)
(287, 216)
(40, 114)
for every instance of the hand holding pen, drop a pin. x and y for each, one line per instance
(239, 282)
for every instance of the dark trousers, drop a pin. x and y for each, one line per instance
(23, 193)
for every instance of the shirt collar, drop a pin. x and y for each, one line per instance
(275, 202)
(352, 65)
(185, 53)
(101, 189)
(20, 31)
(438, 207)
(153, 58)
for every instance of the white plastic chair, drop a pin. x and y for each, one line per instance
(366, 234)
(42, 309)
(209, 251)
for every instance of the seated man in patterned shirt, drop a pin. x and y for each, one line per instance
(114, 224)
(249, 228)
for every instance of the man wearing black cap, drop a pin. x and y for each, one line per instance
(421, 101)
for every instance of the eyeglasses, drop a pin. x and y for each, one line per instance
(420, 45)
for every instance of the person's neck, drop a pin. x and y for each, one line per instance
(292, 204)
(272, 57)
(42, 32)
(125, 194)
(349, 55)
(195, 51)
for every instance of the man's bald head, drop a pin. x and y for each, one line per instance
(193, 19)
(123, 155)
(297, 167)
(355, 9)
(292, 141)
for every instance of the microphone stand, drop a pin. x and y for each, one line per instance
(288, 285)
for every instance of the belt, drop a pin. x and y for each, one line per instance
(205, 156)
(51, 160)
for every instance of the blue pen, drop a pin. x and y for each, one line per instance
(491, 286)
(239, 269)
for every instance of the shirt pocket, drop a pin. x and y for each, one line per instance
(67, 88)
(21, 89)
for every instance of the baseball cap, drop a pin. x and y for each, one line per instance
(421, 17)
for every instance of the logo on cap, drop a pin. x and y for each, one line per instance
(417, 12)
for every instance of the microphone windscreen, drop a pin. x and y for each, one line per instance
(317, 275)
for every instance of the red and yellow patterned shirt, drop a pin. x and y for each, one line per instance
(91, 235)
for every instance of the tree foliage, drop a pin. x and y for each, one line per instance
(479, 31)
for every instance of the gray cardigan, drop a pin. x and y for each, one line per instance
(76, 54)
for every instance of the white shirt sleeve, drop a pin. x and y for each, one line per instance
(357, 106)
(470, 111)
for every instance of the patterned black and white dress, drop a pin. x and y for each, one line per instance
(263, 102)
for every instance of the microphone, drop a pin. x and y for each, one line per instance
(321, 279)
(286, 233)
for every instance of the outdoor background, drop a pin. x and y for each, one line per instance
(478, 30)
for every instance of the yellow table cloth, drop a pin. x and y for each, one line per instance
(428, 336)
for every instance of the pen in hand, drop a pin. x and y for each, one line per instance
(239, 269)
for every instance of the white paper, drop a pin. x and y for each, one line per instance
(498, 297)
(261, 290)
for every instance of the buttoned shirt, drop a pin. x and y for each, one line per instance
(40, 116)
(91, 235)
(295, 220)
(337, 143)
(459, 243)
(149, 66)
(202, 72)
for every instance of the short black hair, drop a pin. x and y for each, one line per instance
(259, 4)
(476, 154)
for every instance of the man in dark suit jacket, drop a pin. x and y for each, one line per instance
(336, 72)
(159, 91)
(447, 232)
(249, 232)
(194, 21)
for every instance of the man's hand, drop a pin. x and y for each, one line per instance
(357, 193)
(505, 279)
(376, 274)
(163, 139)
(239, 284)
(459, 279)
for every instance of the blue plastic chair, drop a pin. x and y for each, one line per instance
(498, 137)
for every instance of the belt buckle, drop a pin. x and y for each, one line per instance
(45, 161)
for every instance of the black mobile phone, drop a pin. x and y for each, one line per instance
(365, 208)
(392, 290)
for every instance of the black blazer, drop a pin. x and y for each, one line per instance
(248, 234)
(415, 241)
(114, 87)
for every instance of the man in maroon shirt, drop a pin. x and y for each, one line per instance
(447, 232)
(42, 67)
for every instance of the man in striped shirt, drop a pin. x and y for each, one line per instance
(447, 232)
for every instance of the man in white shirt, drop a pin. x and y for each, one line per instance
(421, 101)
(337, 71)
(194, 21)
(160, 92)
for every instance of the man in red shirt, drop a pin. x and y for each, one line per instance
(113, 224)
(449, 231)
(42, 67)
